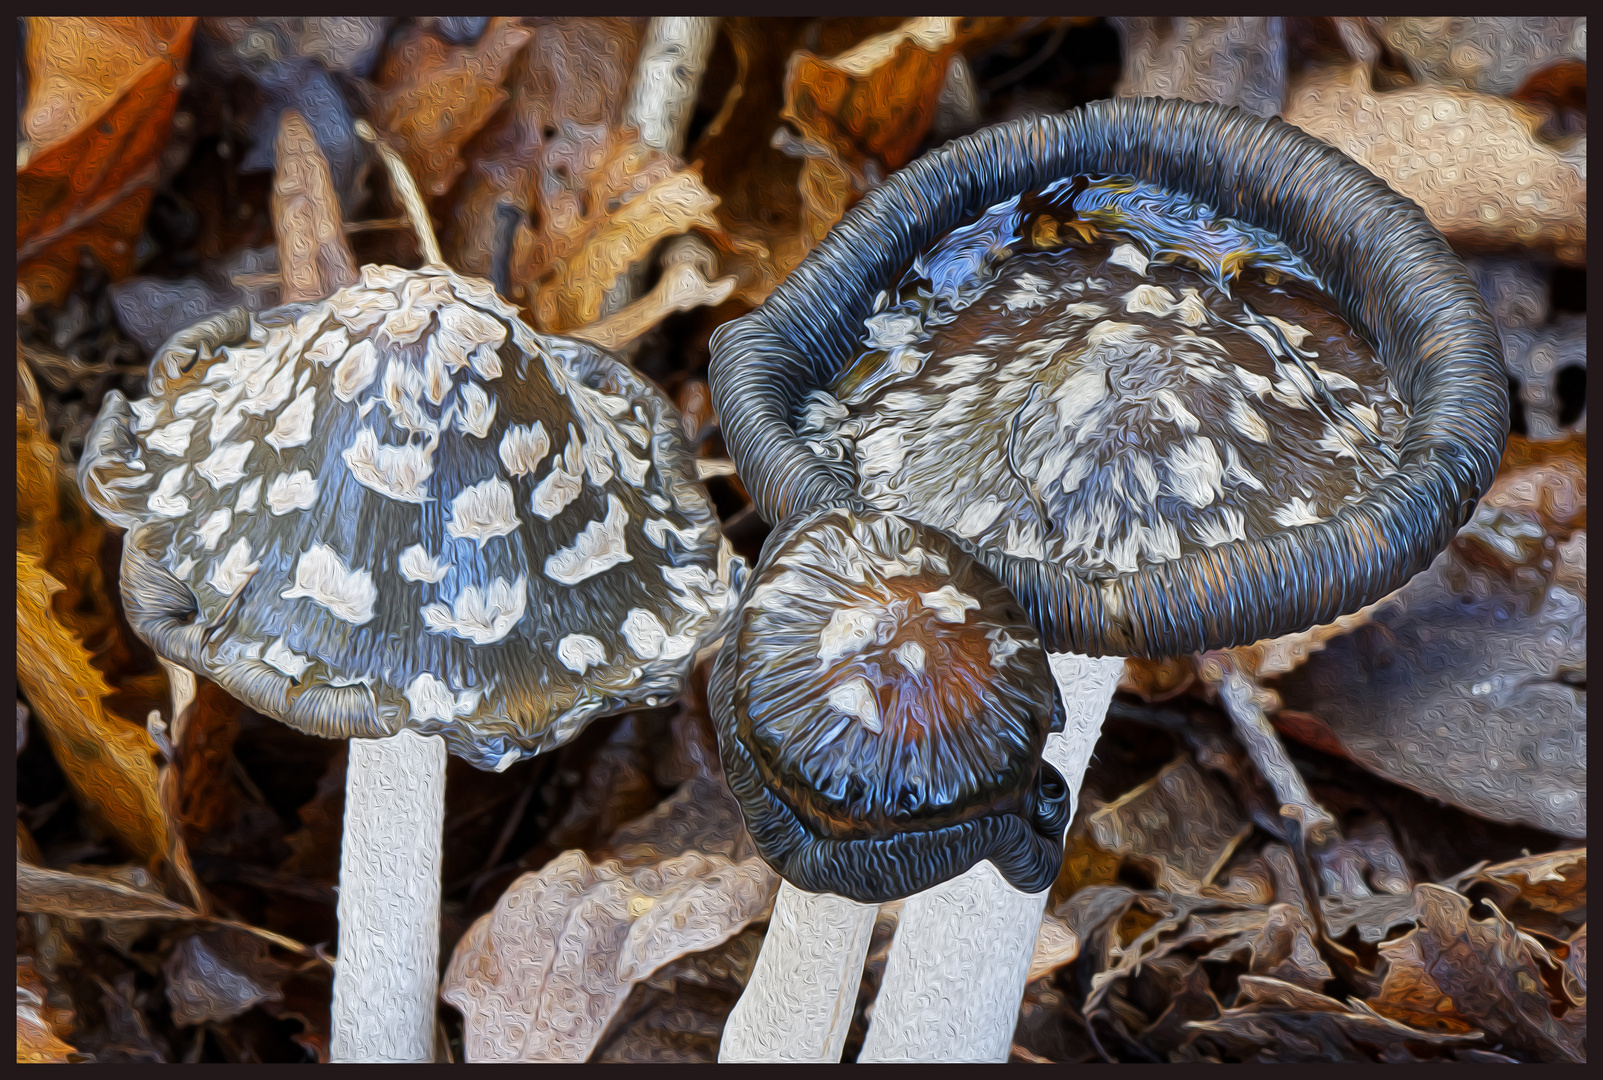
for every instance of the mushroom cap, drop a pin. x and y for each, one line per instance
(881, 708)
(1388, 272)
(402, 508)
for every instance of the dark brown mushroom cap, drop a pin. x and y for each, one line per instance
(1389, 273)
(881, 709)
(402, 508)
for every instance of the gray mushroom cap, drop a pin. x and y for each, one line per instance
(402, 508)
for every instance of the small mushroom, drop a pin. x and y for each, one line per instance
(1082, 422)
(881, 706)
(401, 516)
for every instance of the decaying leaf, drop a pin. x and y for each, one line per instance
(42, 1029)
(437, 95)
(1233, 61)
(217, 973)
(108, 761)
(100, 106)
(1179, 821)
(540, 977)
(685, 283)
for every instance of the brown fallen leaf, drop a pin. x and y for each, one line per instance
(1463, 969)
(1179, 822)
(1492, 55)
(217, 973)
(42, 1029)
(100, 106)
(313, 252)
(108, 761)
(1232, 61)
(540, 976)
(437, 95)
(687, 266)
(1543, 893)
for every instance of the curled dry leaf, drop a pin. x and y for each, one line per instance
(438, 95)
(1468, 684)
(100, 106)
(1492, 55)
(1179, 821)
(1473, 162)
(217, 973)
(540, 977)
(687, 267)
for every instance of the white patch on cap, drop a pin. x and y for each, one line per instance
(578, 651)
(226, 464)
(233, 569)
(397, 472)
(1129, 255)
(880, 453)
(644, 633)
(659, 529)
(849, 630)
(355, 370)
(1176, 411)
(248, 495)
(1221, 526)
(418, 565)
(856, 698)
(279, 656)
(1084, 309)
(1297, 512)
(658, 503)
(329, 347)
(275, 393)
(1245, 419)
(436, 379)
(1032, 292)
(432, 699)
(165, 500)
(1295, 334)
(478, 411)
(634, 469)
(324, 578)
(1002, 647)
(912, 656)
(977, 517)
(598, 547)
(1195, 472)
(185, 565)
(598, 462)
(146, 412)
(563, 483)
(948, 603)
(523, 447)
(212, 529)
(294, 424)
(407, 323)
(486, 360)
(483, 616)
(173, 439)
(464, 329)
(483, 511)
(292, 491)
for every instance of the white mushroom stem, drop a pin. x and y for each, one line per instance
(387, 972)
(798, 1004)
(956, 970)
(673, 58)
(181, 684)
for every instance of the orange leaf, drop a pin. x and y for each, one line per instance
(40, 1026)
(99, 111)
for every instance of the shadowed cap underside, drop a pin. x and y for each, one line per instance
(402, 508)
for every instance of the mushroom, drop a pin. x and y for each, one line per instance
(402, 517)
(1115, 468)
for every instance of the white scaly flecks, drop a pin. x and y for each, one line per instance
(402, 395)
(248, 495)
(273, 394)
(329, 347)
(1175, 411)
(658, 530)
(355, 371)
(463, 330)
(146, 412)
(183, 567)
(281, 658)
(165, 501)
(362, 309)
(644, 633)
(172, 440)
(433, 699)
(397, 472)
(1032, 292)
(212, 529)
(977, 517)
(322, 577)
(483, 616)
(658, 503)
(856, 698)
(1002, 647)
(225, 465)
(294, 425)
(850, 630)
(418, 565)
(1195, 472)
(578, 651)
(598, 547)
(523, 447)
(233, 569)
(912, 656)
(1130, 256)
(1245, 419)
(292, 491)
(1221, 526)
(483, 511)
(948, 603)
(1297, 512)
(477, 412)
(436, 379)
(563, 483)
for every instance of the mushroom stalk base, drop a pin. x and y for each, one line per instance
(957, 966)
(798, 1004)
(386, 976)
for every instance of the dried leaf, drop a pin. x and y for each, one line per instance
(108, 761)
(216, 974)
(541, 976)
(1492, 55)
(121, 893)
(99, 110)
(1456, 973)
(315, 258)
(1179, 820)
(438, 95)
(684, 285)
(42, 1029)
(678, 1014)
(1233, 61)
